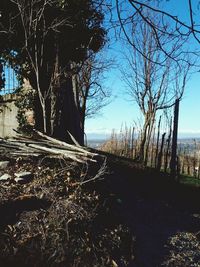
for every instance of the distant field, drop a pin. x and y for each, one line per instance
(95, 143)
(190, 144)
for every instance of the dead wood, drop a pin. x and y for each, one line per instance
(45, 146)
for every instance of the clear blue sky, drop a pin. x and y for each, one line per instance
(121, 111)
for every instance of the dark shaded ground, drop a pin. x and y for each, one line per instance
(162, 216)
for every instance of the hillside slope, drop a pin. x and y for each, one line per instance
(163, 216)
(120, 214)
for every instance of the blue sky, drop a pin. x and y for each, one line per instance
(121, 110)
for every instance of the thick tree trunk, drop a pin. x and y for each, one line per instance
(67, 118)
(62, 114)
(38, 114)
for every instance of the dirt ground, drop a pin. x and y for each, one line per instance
(130, 216)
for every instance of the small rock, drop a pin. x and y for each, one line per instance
(21, 180)
(24, 175)
(5, 177)
(3, 164)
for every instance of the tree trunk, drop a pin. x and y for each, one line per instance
(151, 124)
(160, 155)
(152, 147)
(157, 143)
(67, 114)
(173, 163)
(143, 141)
(168, 147)
(38, 114)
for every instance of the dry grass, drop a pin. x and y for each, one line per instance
(127, 144)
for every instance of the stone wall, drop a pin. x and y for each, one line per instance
(8, 113)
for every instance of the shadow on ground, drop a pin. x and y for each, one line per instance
(156, 209)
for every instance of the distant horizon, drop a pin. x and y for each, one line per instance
(103, 136)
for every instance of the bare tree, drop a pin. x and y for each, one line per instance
(154, 87)
(91, 93)
(172, 26)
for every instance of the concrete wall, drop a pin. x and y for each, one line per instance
(8, 113)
